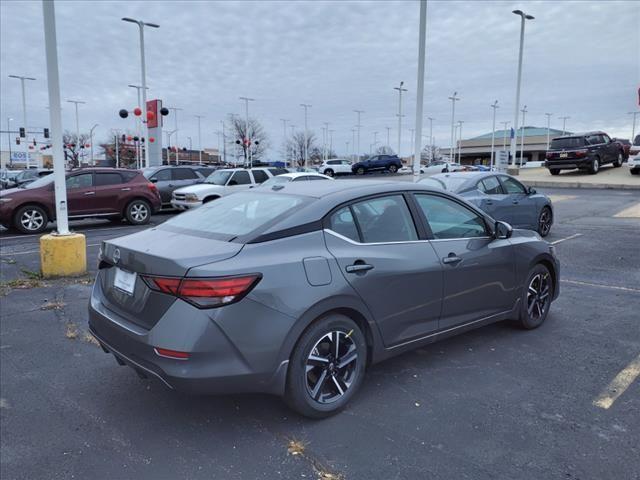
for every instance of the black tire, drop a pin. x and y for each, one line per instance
(545, 220)
(328, 172)
(31, 219)
(595, 166)
(618, 161)
(635, 172)
(138, 212)
(536, 297)
(360, 171)
(319, 339)
(393, 168)
(554, 171)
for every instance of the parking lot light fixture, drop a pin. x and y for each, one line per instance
(548, 127)
(76, 103)
(358, 126)
(454, 98)
(175, 111)
(91, 141)
(430, 138)
(306, 135)
(633, 128)
(460, 122)
(564, 124)
(495, 107)
(524, 113)
(143, 71)
(199, 117)
(247, 139)
(514, 140)
(24, 115)
(400, 90)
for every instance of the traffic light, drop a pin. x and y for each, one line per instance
(46, 133)
(23, 134)
(17, 140)
(124, 138)
(123, 113)
(35, 144)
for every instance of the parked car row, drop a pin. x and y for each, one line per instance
(16, 178)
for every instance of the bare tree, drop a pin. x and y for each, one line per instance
(126, 150)
(295, 144)
(385, 150)
(259, 142)
(74, 149)
(435, 153)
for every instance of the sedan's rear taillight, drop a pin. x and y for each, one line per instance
(205, 292)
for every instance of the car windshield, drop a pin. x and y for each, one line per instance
(433, 182)
(219, 178)
(275, 181)
(147, 172)
(234, 215)
(40, 182)
(569, 142)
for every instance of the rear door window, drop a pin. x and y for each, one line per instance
(103, 179)
(83, 180)
(240, 178)
(259, 176)
(183, 174)
(163, 175)
(343, 223)
(385, 219)
(490, 186)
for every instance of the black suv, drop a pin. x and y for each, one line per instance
(587, 151)
(378, 162)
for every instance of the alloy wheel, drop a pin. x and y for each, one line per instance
(538, 297)
(32, 220)
(544, 223)
(331, 367)
(139, 212)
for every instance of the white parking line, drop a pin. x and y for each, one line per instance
(575, 235)
(75, 231)
(600, 285)
(37, 251)
(619, 384)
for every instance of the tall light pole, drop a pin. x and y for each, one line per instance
(353, 142)
(168, 134)
(524, 113)
(77, 102)
(247, 140)
(9, 136)
(514, 140)
(494, 105)
(292, 127)
(504, 139)
(199, 117)
(460, 122)
(143, 73)
(190, 150)
(453, 99)
(224, 143)
(284, 139)
(330, 142)
(422, 39)
(633, 129)
(400, 90)
(175, 123)
(91, 141)
(306, 106)
(388, 135)
(139, 122)
(24, 116)
(326, 140)
(358, 126)
(412, 130)
(548, 128)
(564, 124)
(430, 138)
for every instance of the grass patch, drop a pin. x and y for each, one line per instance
(30, 274)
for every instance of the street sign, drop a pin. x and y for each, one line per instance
(20, 157)
(502, 160)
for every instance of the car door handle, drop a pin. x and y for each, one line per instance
(89, 193)
(171, 184)
(358, 267)
(451, 259)
(125, 189)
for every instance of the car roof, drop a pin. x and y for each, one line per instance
(470, 177)
(581, 134)
(102, 170)
(301, 174)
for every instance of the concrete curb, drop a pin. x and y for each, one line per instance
(551, 184)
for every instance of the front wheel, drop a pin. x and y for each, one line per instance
(360, 171)
(545, 220)
(595, 166)
(138, 212)
(393, 168)
(327, 367)
(31, 219)
(329, 173)
(536, 298)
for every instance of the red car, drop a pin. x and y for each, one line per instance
(92, 192)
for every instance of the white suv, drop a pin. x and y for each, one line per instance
(335, 166)
(221, 183)
(634, 164)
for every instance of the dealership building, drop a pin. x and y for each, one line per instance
(477, 150)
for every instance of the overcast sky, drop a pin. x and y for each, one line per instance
(581, 59)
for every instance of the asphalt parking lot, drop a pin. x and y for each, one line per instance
(495, 403)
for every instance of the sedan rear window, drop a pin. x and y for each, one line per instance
(569, 142)
(235, 215)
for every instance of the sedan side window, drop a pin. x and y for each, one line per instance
(162, 176)
(259, 176)
(490, 186)
(385, 219)
(512, 186)
(184, 174)
(103, 179)
(240, 177)
(449, 219)
(342, 222)
(84, 180)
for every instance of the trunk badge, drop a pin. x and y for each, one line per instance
(116, 255)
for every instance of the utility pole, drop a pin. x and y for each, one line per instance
(388, 135)
(633, 129)
(91, 142)
(224, 143)
(494, 105)
(400, 90)
(199, 139)
(430, 138)
(284, 138)
(326, 140)
(460, 122)
(138, 121)
(330, 142)
(247, 140)
(548, 128)
(294, 152)
(24, 116)
(306, 135)
(353, 142)
(453, 99)
(564, 124)
(175, 123)
(78, 143)
(504, 140)
(422, 40)
(524, 112)
(357, 152)
(9, 136)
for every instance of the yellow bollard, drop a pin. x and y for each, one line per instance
(63, 255)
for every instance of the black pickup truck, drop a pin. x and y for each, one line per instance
(389, 163)
(587, 151)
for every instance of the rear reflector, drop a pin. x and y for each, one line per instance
(165, 352)
(205, 292)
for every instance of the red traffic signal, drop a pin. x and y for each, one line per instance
(137, 111)
(129, 138)
(123, 113)
(151, 139)
(150, 115)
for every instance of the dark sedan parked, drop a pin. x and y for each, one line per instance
(169, 178)
(586, 151)
(296, 291)
(501, 196)
(93, 192)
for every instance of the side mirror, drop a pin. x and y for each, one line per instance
(154, 180)
(531, 190)
(502, 230)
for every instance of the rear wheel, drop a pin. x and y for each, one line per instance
(360, 171)
(31, 219)
(544, 221)
(329, 172)
(619, 160)
(595, 166)
(327, 367)
(138, 212)
(554, 171)
(393, 168)
(536, 298)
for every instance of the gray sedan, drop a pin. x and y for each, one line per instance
(297, 291)
(501, 196)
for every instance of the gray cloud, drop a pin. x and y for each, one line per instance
(581, 59)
